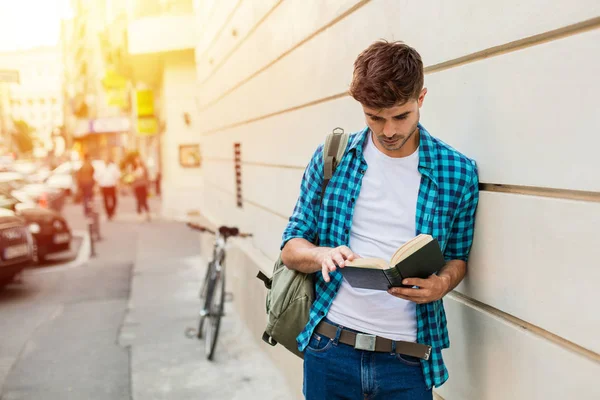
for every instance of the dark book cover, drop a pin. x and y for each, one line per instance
(421, 264)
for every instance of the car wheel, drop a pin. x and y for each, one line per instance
(39, 254)
(6, 280)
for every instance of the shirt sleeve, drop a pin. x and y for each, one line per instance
(463, 228)
(303, 222)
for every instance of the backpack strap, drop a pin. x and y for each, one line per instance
(266, 280)
(333, 151)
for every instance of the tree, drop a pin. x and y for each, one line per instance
(22, 136)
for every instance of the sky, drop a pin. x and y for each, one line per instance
(30, 23)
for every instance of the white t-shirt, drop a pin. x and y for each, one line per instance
(108, 176)
(383, 220)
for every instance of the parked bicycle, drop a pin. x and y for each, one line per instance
(212, 291)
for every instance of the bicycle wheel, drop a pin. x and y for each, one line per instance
(209, 268)
(215, 302)
(203, 294)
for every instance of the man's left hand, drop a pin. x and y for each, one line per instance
(431, 289)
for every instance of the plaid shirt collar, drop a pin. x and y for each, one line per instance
(427, 150)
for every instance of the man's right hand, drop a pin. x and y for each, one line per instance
(331, 258)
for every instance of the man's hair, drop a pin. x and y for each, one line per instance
(387, 74)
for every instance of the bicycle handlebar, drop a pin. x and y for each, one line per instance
(224, 231)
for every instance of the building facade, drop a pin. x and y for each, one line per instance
(96, 90)
(161, 37)
(37, 98)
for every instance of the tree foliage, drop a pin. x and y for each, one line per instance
(23, 136)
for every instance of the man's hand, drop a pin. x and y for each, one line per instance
(431, 289)
(330, 257)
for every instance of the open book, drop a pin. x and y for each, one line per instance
(418, 258)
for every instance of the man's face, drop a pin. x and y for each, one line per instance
(394, 129)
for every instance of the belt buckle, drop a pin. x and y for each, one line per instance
(365, 342)
(428, 354)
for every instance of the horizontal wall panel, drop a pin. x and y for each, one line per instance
(527, 116)
(271, 188)
(490, 359)
(536, 259)
(245, 18)
(266, 227)
(453, 30)
(286, 139)
(290, 23)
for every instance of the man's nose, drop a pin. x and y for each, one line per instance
(388, 129)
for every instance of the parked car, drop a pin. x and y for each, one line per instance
(51, 232)
(63, 176)
(16, 245)
(27, 192)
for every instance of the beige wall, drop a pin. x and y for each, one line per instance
(511, 84)
(182, 187)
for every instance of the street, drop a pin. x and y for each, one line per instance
(112, 327)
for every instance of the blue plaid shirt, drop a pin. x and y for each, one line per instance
(446, 204)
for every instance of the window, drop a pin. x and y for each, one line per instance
(42, 101)
(53, 100)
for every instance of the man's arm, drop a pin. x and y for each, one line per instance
(298, 251)
(301, 255)
(457, 251)
(436, 286)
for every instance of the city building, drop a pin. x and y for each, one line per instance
(37, 97)
(97, 111)
(161, 36)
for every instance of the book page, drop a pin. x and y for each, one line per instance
(373, 263)
(410, 247)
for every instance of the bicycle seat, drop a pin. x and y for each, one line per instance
(228, 231)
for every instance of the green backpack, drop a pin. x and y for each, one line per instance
(291, 293)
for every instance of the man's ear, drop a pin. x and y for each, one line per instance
(422, 97)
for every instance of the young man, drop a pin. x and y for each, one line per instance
(394, 181)
(107, 179)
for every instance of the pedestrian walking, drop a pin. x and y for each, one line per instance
(140, 187)
(394, 181)
(85, 183)
(107, 179)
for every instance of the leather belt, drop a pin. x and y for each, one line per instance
(363, 341)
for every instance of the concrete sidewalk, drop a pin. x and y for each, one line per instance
(164, 302)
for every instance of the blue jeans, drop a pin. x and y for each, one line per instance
(334, 370)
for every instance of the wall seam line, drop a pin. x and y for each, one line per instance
(239, 44)
(221, 29)
(524, 325)
(538, 191)
(246, 200)
(285, 54)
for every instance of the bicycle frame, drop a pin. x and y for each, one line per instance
(213, 288)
